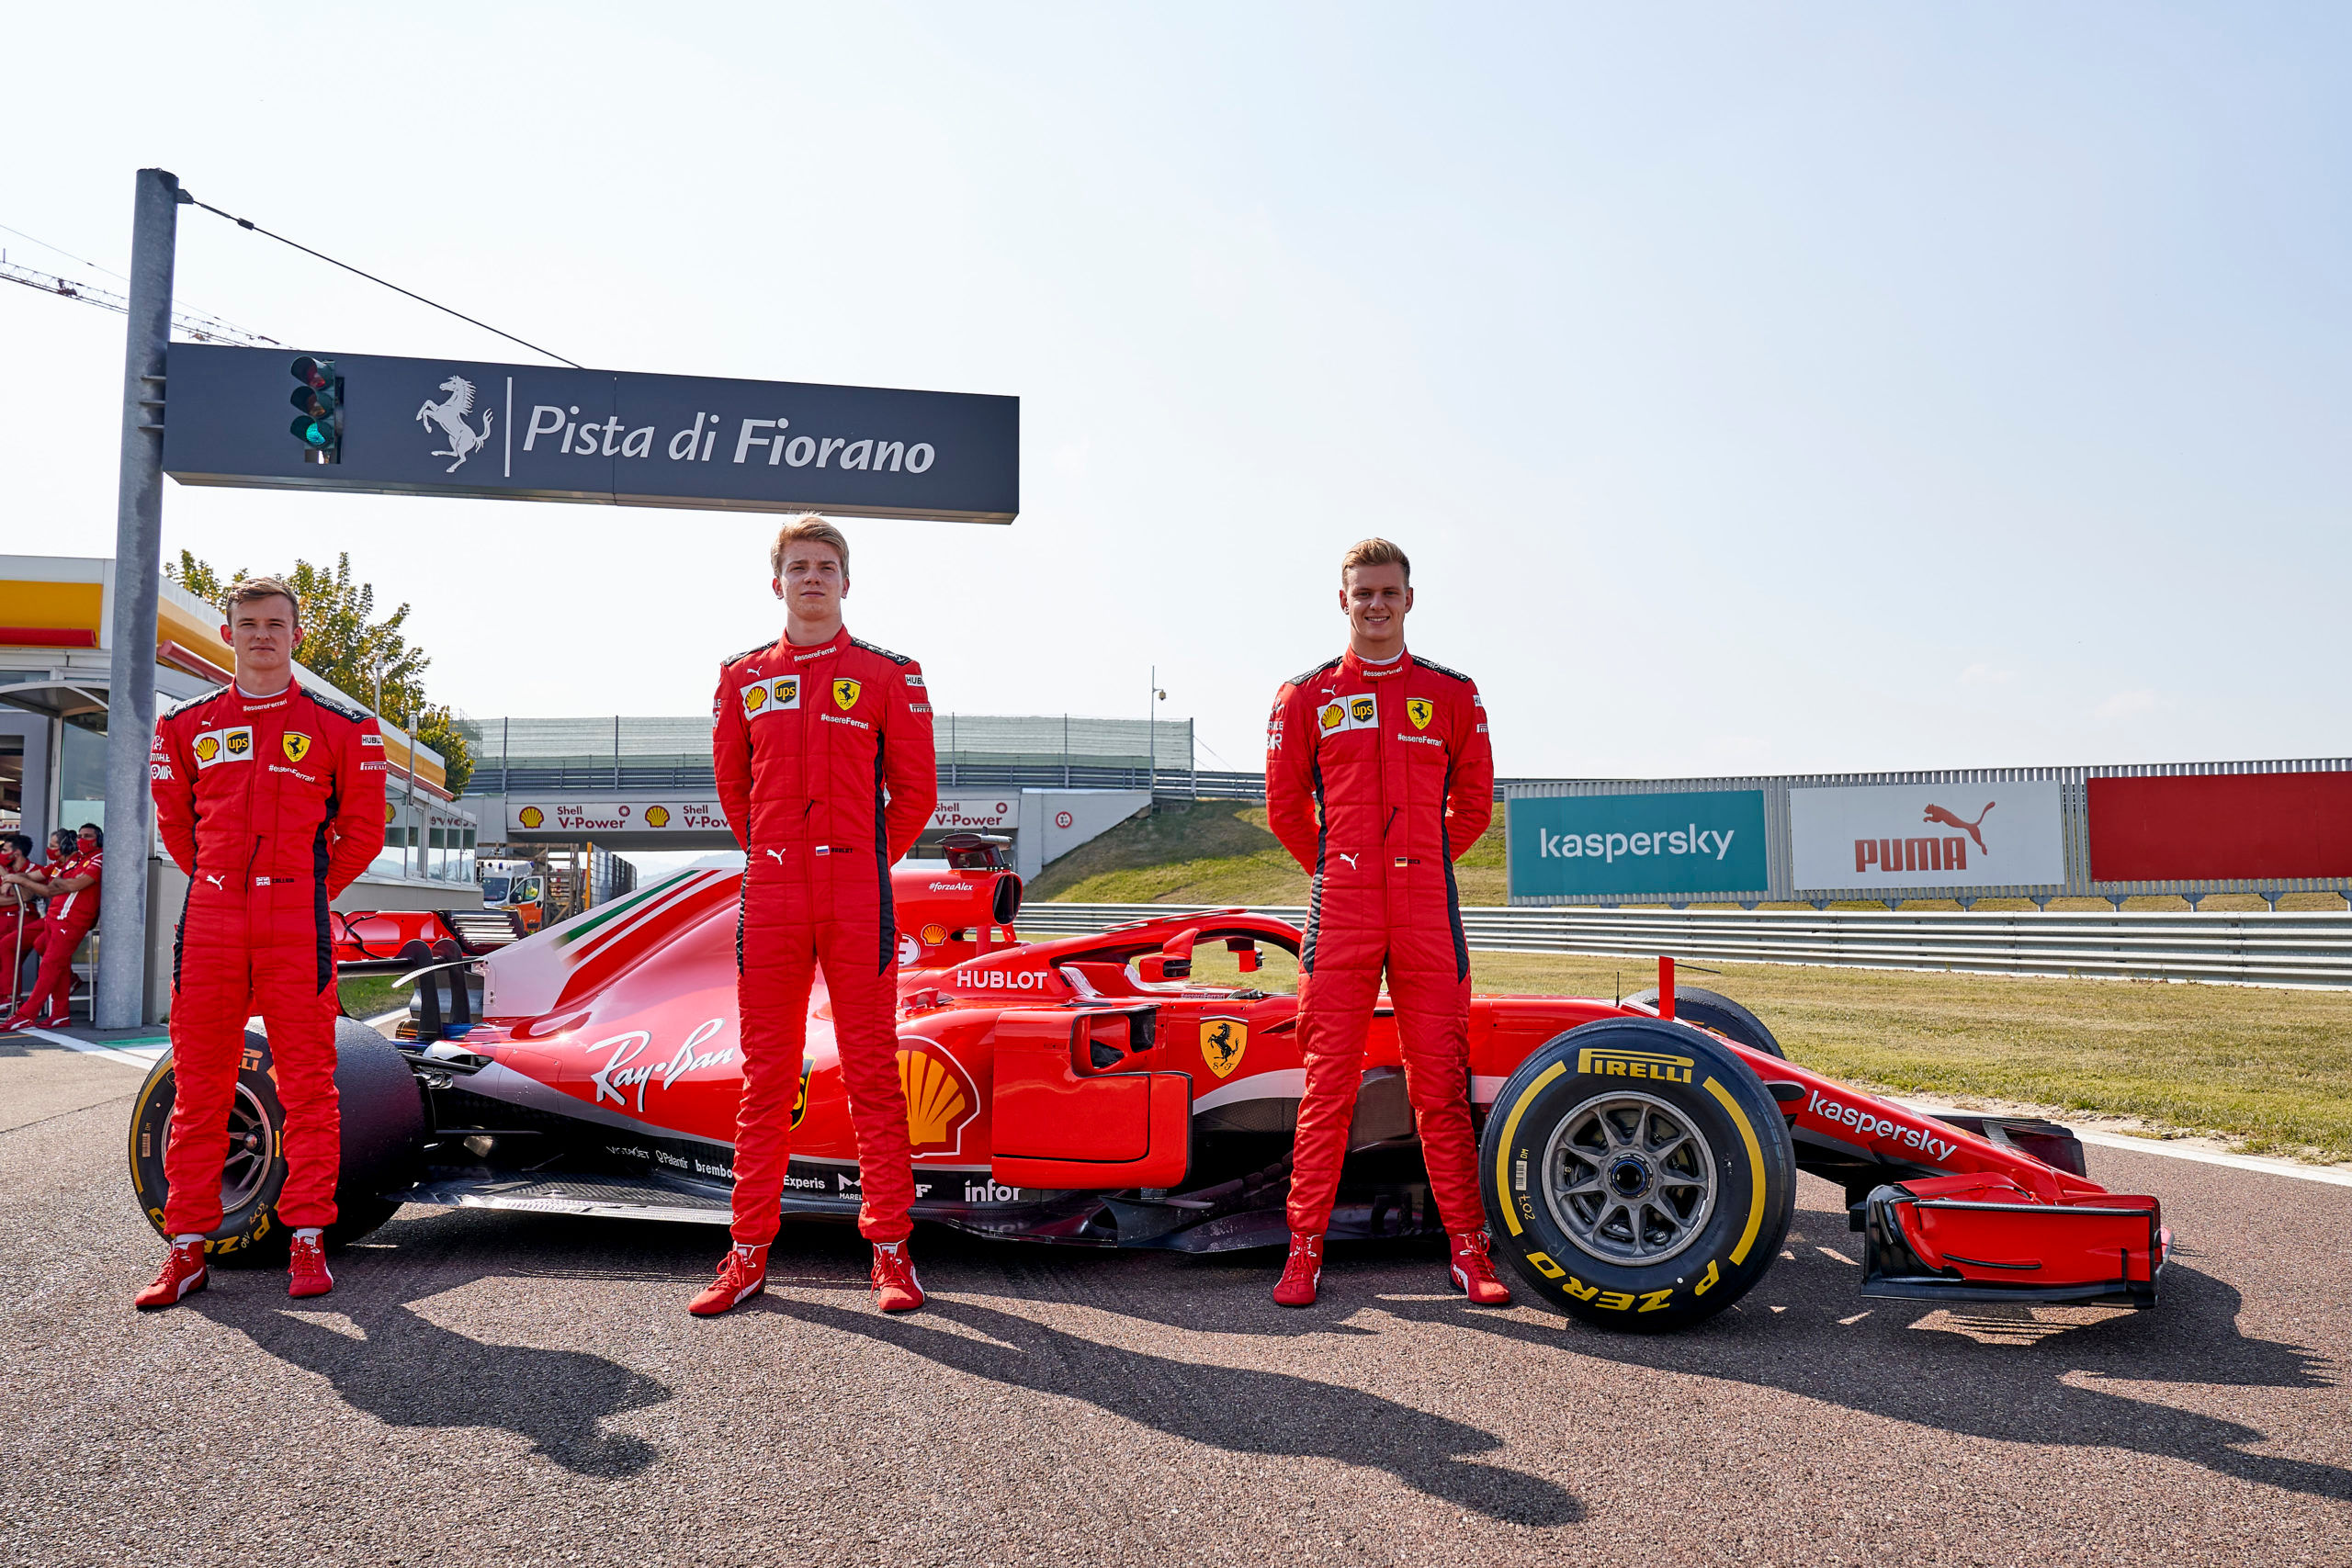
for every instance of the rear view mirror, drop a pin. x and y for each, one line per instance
(1172, 962)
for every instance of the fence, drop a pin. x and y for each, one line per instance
(2057, 834)
(2255, 948)
(627, 754)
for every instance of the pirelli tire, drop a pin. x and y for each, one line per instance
(383, 1122)
(1712, 1009)
(1637, 1175)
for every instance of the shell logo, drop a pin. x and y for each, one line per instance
(657, 817)
(391, 814)
(934, 934)
(941, 1101)
(1331, 717)
(530, 817)
(207, 747)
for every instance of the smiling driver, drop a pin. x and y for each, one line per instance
(822, 748)
(271, 799)
(1379, 775)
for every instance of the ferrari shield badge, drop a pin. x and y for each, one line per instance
(297, 744)
(846, 694)
(801, 1097)
(1222, 1042)
(1418, 710)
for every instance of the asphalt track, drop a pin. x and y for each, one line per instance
(490, 1389)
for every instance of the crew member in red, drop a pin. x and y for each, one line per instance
(1378, 777)
(271, 799)
(21, 889)
(71, 886)
(822, 748)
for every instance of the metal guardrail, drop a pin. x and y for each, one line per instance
(2254, 948)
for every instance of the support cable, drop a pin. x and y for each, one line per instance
(249, 223)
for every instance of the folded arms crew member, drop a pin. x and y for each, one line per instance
(271, 798)
(71, 886)
(822, 748)
(1379, 775)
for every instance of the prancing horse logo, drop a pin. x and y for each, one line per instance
(451, 417)
(1222, 1042)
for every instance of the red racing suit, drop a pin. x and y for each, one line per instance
(825, 769)
(67, 920)
(1377, 777)
(20, 934)
(272, 805)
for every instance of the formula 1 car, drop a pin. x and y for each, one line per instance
(1639, 1157)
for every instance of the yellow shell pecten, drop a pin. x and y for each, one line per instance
(934, 1100)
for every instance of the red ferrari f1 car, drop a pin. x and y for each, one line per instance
(1639, 1159)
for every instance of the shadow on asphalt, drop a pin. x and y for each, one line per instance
(411, 1372)
(1241, 1411)
(2038, 1385)
(1895, 1363)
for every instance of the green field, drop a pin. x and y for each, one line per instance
(2271, 1069)
(1217, 851)
(368, 996)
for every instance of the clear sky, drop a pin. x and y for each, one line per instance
(1757, 388)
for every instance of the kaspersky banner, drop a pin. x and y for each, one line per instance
(1876, 838)
(1707, 845)
(272, 418)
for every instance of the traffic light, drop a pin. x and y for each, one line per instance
(319, 425)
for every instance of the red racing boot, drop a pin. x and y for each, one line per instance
(1301, 1273)
(742, 1274)
(1471, 1273)
(185, 1273)
(896, 1289)
(306, 1273)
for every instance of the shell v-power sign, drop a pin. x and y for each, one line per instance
(365, 421)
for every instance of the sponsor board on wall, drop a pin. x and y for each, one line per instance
(1634, 846)
(575, 817)
(1869, 838)
(978, 813)
(2221, 826)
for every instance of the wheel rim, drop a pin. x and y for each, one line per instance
(248, 1159)
(1629, 1178)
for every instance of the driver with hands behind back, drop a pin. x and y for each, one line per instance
(271, 798)
(1378, 777)
(822, 748)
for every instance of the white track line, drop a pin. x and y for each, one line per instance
(131, 1058)
(2328, 1175)
(2332, 1174)
(144, 1057)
